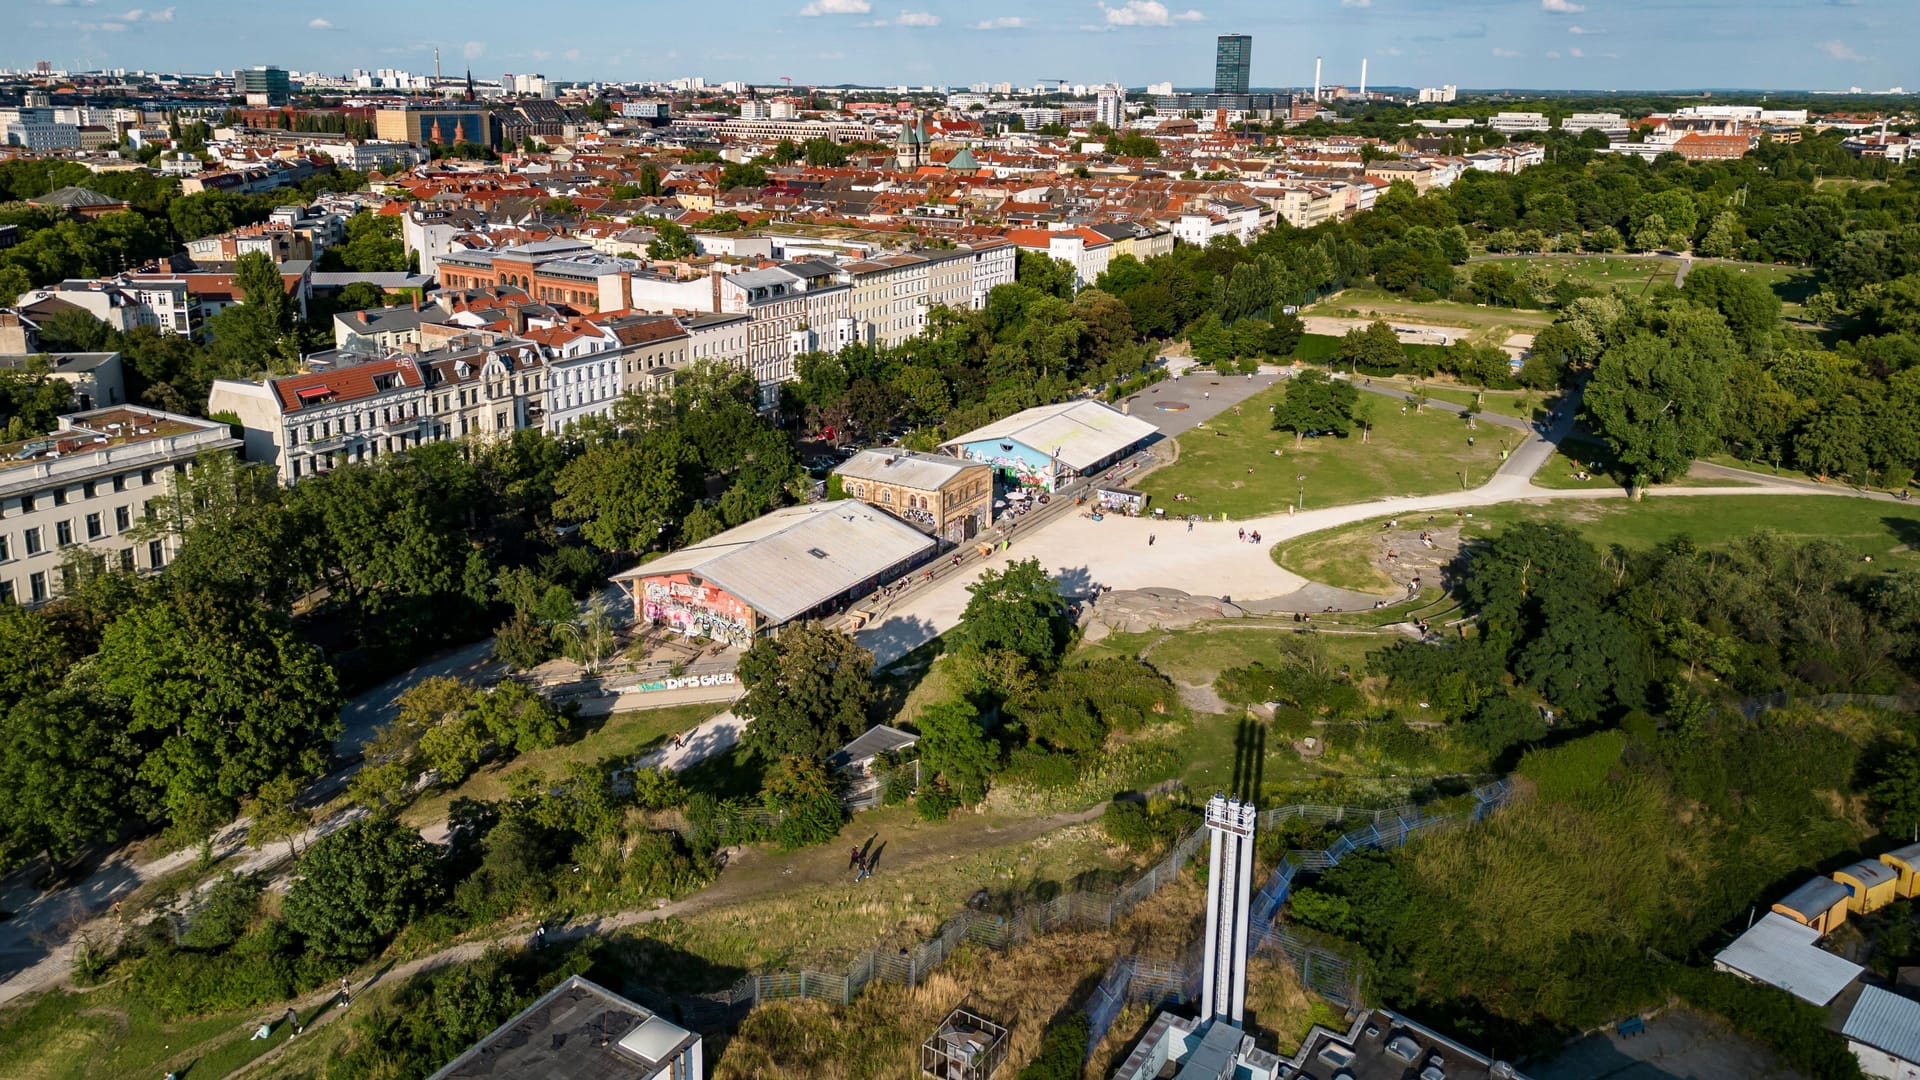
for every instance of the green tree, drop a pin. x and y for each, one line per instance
(670, 241)
(223, 696)
(1749, 305)
(954, 749)
(1041, 271)
(807, 798)
(628, 497)
(807, 692)
(1893, 791)
(1658, 406)
(1315, 402)
(1376, 348)
(373, 245)
(276, 814)
(736, 174)
(1019, 610)
(360, 884)
(67, 777)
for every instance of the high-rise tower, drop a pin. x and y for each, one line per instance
(1223, 985)
(1232, 63)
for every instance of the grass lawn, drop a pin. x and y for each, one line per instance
(1627, 272)
(1792, 284)
(1526, 405)
(1229, 466)
(1366, 302)
(1869, 527)
(627, 734)
(108, 1033)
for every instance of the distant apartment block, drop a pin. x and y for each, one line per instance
(89, 485)
(1515, 123)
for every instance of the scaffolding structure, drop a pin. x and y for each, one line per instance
(966, 1046)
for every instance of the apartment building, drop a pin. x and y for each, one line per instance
(1086, 251)
(89, 484)
(124, 302)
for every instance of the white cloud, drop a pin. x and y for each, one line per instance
(319, 24)
(837, 7)
(1562, 7)
(919, 18)
(1575, 53)
(1147, 13)
(571, 54)
(110, 27)
(1004, 22)
(474, 50)
(1553, 54)
(1392, 51)
(140, 14)
(65, 3)
(1356, 3)
(1839, 51)
(1578, 29)
(1505, 53)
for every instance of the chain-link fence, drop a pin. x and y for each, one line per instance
(908, 966)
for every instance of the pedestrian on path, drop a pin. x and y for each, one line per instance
(346, 992)
(853, 858)
(1150, 539)
(866, 870)
(292, 1020)
(1189, 524)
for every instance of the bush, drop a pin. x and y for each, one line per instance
(1063, 1051)
(1581, 765)
(1145, 827)
(229, 909)
(1797, 1031)
(935, 804)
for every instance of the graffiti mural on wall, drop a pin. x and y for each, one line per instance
(697, 610)
(1012, 459)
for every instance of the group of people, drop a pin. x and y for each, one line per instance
(1250, 537)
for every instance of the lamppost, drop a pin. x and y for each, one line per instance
(1301, 500)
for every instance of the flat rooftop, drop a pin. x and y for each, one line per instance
(101, 429)
(578, 1031)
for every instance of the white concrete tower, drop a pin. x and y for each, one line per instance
(1316, 78)
(1363, 78)
(1223, 986)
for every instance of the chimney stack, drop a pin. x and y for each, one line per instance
(1316, 78)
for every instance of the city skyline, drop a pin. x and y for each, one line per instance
(1536, 44)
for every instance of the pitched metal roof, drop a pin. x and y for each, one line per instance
(1079, 433)
(792, 560)
(1780, 952)
(922, 472)
(1816, 897)
(1886, 1021)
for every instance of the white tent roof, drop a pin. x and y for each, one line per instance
(1780, 952)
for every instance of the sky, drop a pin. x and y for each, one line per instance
(1541, 44)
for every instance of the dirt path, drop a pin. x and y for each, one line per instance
(749, 876)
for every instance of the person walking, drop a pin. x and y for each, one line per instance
(1189, 524)
(865, 871)
(292, 1020)
(346, 992)
(853, 858)
(1243, 535)
(1150, 539)
(540, 936)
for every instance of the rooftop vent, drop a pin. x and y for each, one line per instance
(816, 553)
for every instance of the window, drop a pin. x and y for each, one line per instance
(59, 496)
(33, 540)
(93, 526)
(37, 587)
(146, 476)
(6, 590)
(26, 504)
(6, 548)
(88, 487)
(156, 554)
(126, 559)
(120, 482)
(122, 518)
(62, 533)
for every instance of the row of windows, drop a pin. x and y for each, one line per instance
(25, 504)
(36, 584)
(33, 540)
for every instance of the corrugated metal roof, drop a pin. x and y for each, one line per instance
(923, 472)
(1909, 854)
(1869, 872)
(1816, 897)
(1780, 952)
(1079, 433)
(1887, 1021)
(792, 560)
